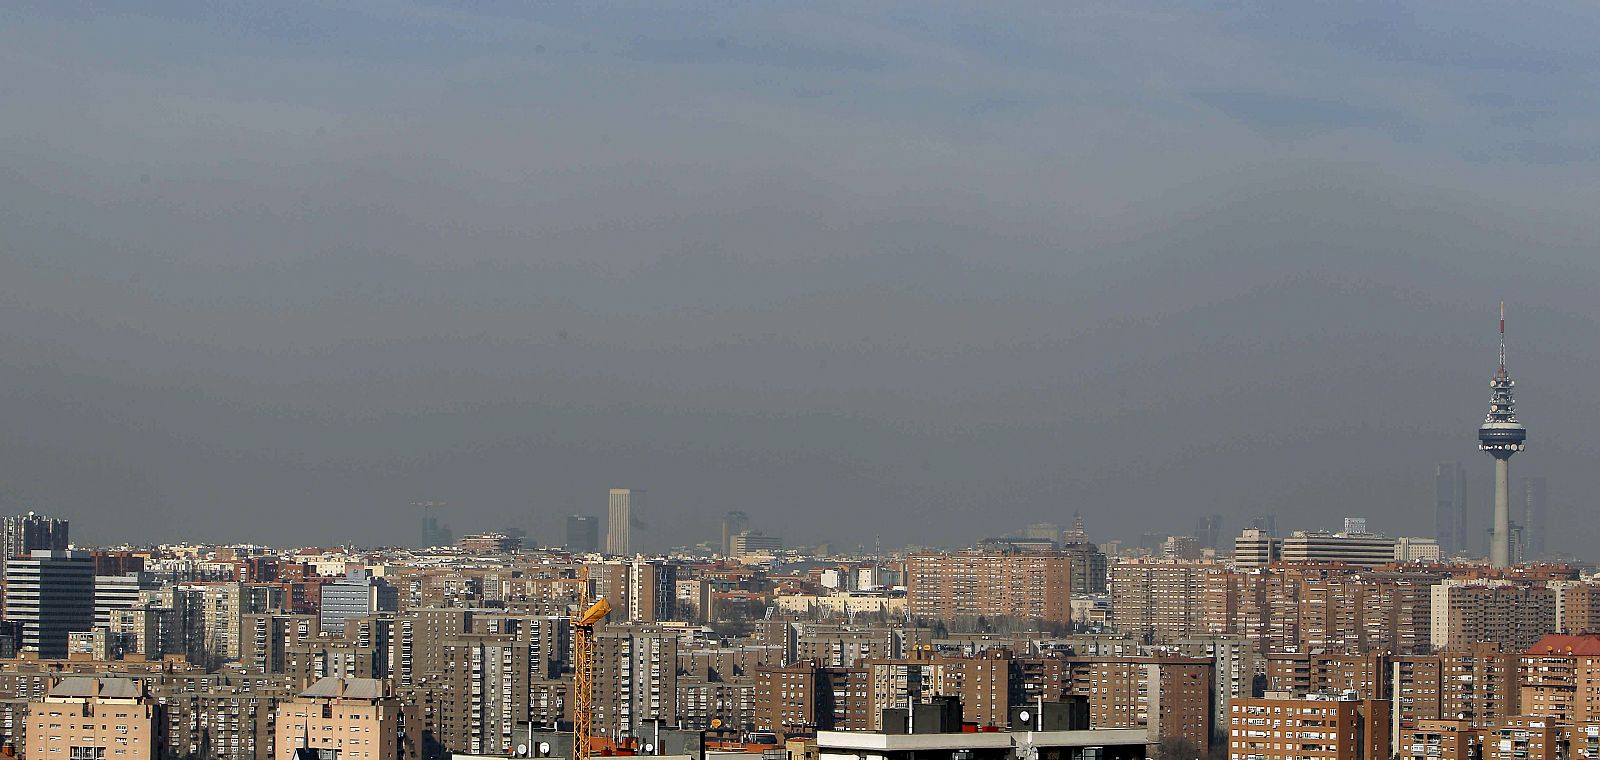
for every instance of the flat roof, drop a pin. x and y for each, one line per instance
(347, 688)
(101, 688)
(1094, 737)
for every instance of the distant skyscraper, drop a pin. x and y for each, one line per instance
(1208, 531)
(1076, 534)
(1501, 436)
(51, 593)
(624, 503)
(1051, 531)
(21, 535)
(434, 533)
(583, 534)
(1450, 510)
(1535, 513)
(1267, 524)
(756, 542)
(733, 524)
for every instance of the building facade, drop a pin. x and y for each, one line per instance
(51, 594)
(622, 509)
(86, 718)
(357, 594)
(583, 534)
(347, 719)
(995, 584)
(1308, 727)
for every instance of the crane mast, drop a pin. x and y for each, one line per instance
(583, 670)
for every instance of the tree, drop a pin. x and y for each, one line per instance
(1177, 748)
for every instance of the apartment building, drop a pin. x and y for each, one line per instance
(348, 719)
(1513, 614)
(636, 673)
(996, 584)
(87, 718)
(1561, 679)
(1524, 737)
(1339, 608)
(1169, 697)
(1160, 600)
(1315, 726)
(1441, 739)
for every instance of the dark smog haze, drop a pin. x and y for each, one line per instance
(271, 272)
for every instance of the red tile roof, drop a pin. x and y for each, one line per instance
(1557, 643)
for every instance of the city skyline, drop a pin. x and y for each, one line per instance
(966, 381)
(470, 643)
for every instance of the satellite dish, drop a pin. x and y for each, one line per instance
(522, 750)
(1025, 716)
(544, 748)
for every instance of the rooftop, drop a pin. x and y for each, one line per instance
(347, 688)
(880, 742)
(1557, 643)
(100, 688)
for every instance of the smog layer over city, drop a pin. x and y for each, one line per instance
(1206, 357)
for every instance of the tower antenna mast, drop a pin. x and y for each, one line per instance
(1502, 337)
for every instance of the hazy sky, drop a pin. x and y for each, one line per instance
(273, 271)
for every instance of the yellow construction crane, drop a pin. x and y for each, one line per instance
(583, 672)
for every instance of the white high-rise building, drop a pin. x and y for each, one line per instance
(619, 522)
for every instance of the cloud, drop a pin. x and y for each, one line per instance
(726, 50)
(1296, 116)
(855, 270)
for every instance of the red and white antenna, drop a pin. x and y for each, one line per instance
(1502, 337)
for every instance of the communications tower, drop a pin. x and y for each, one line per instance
(1500, 437)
